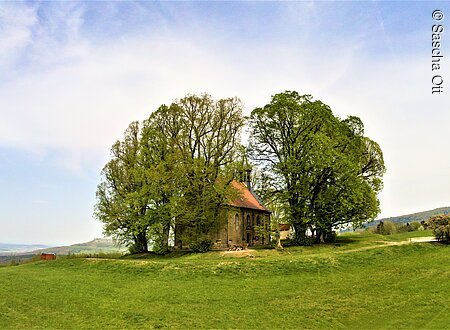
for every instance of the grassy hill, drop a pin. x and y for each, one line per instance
(363, 281)
(97, 245)
(419, 216)
(14, 258)
(19, 248)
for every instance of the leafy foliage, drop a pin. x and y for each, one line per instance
(386, 228)
(390, 228)
(440, 224)
(323, 170)
(202, 245)
(122, 203)
(171, 173)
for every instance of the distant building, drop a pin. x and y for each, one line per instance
(286, 231)
(48, 256)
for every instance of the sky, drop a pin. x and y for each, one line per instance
(73, 75)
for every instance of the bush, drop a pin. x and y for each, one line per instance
(135, 248)
(303, 241)
(386, 228)
(401, 228)
(202, 245)
(331, 237)
(408, 227)
(414, 226)
(440, 224)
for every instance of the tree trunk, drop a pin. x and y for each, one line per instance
(140, 242)
(279, 246)
(317, 235)
(165, 237)
(300, 232)
(329, 236)
(324, 235)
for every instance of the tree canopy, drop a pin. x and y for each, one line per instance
(170, 175)
(440, 224)
(321, 168)
(171, 171)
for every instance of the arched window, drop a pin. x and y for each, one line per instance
(249, 221)
(258, 221)
(236, 221)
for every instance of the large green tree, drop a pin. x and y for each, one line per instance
(207, 144)
(172, 173)
(159, 161)
(323, 169)
(121, 196)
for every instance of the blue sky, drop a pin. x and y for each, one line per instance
(73, 75)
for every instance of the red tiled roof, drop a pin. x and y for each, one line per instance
(247, 198)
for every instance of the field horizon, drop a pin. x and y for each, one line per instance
(96, 244)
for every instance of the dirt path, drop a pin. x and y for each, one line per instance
(239, 254)
(423, 239)
(385, 244)
(249, 253)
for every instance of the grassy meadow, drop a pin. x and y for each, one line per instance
(362, 281)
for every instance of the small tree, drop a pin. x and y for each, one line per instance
(386, 228)
(440, 224)
(407, 227)
(414, 226)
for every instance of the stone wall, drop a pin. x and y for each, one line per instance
(241, 229)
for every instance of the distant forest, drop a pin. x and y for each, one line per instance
(419, 216)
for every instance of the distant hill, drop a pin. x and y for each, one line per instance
(419, 216)
(20, 248)
(21, 252)
(97, 245)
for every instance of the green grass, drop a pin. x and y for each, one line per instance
(359, 282)
(405, 236)
(370, 237)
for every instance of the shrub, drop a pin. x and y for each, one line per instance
(134, 247)
(386, 228)
(303, 241)
(414, 226)
(407, 227)
(202, 245)
(331, 237)
(440, 224)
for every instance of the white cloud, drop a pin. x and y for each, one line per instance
(84, 95)
(16, 23)
(77, 95)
